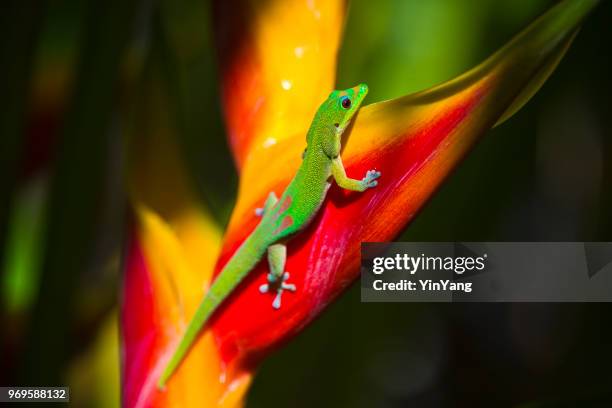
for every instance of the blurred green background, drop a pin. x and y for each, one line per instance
(69, 68)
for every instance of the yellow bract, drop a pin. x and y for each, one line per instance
(180, 259)
(296, 42)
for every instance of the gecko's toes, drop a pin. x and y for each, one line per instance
(373, 174)
(289, 286)
(369, 180)
(280, 285)
(276, 304)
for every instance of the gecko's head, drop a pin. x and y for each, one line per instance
(333, 117)
(342, 105)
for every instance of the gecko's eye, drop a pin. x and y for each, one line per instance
(345, 102)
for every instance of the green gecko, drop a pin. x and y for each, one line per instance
(282, 218)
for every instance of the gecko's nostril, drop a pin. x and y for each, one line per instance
(336, 124)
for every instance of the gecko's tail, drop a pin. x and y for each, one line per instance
(205, 310)
(240, 264)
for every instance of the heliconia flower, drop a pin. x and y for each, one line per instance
(278, 62)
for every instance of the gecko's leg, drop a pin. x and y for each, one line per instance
(277, 255)
(270, 201)
(368, 181)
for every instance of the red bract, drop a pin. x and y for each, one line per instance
(415, 141)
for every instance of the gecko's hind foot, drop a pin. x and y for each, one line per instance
(279, 286)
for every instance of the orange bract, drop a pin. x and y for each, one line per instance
(278, 62)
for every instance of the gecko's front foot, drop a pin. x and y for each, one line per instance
(369, 180)
(279, 286)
